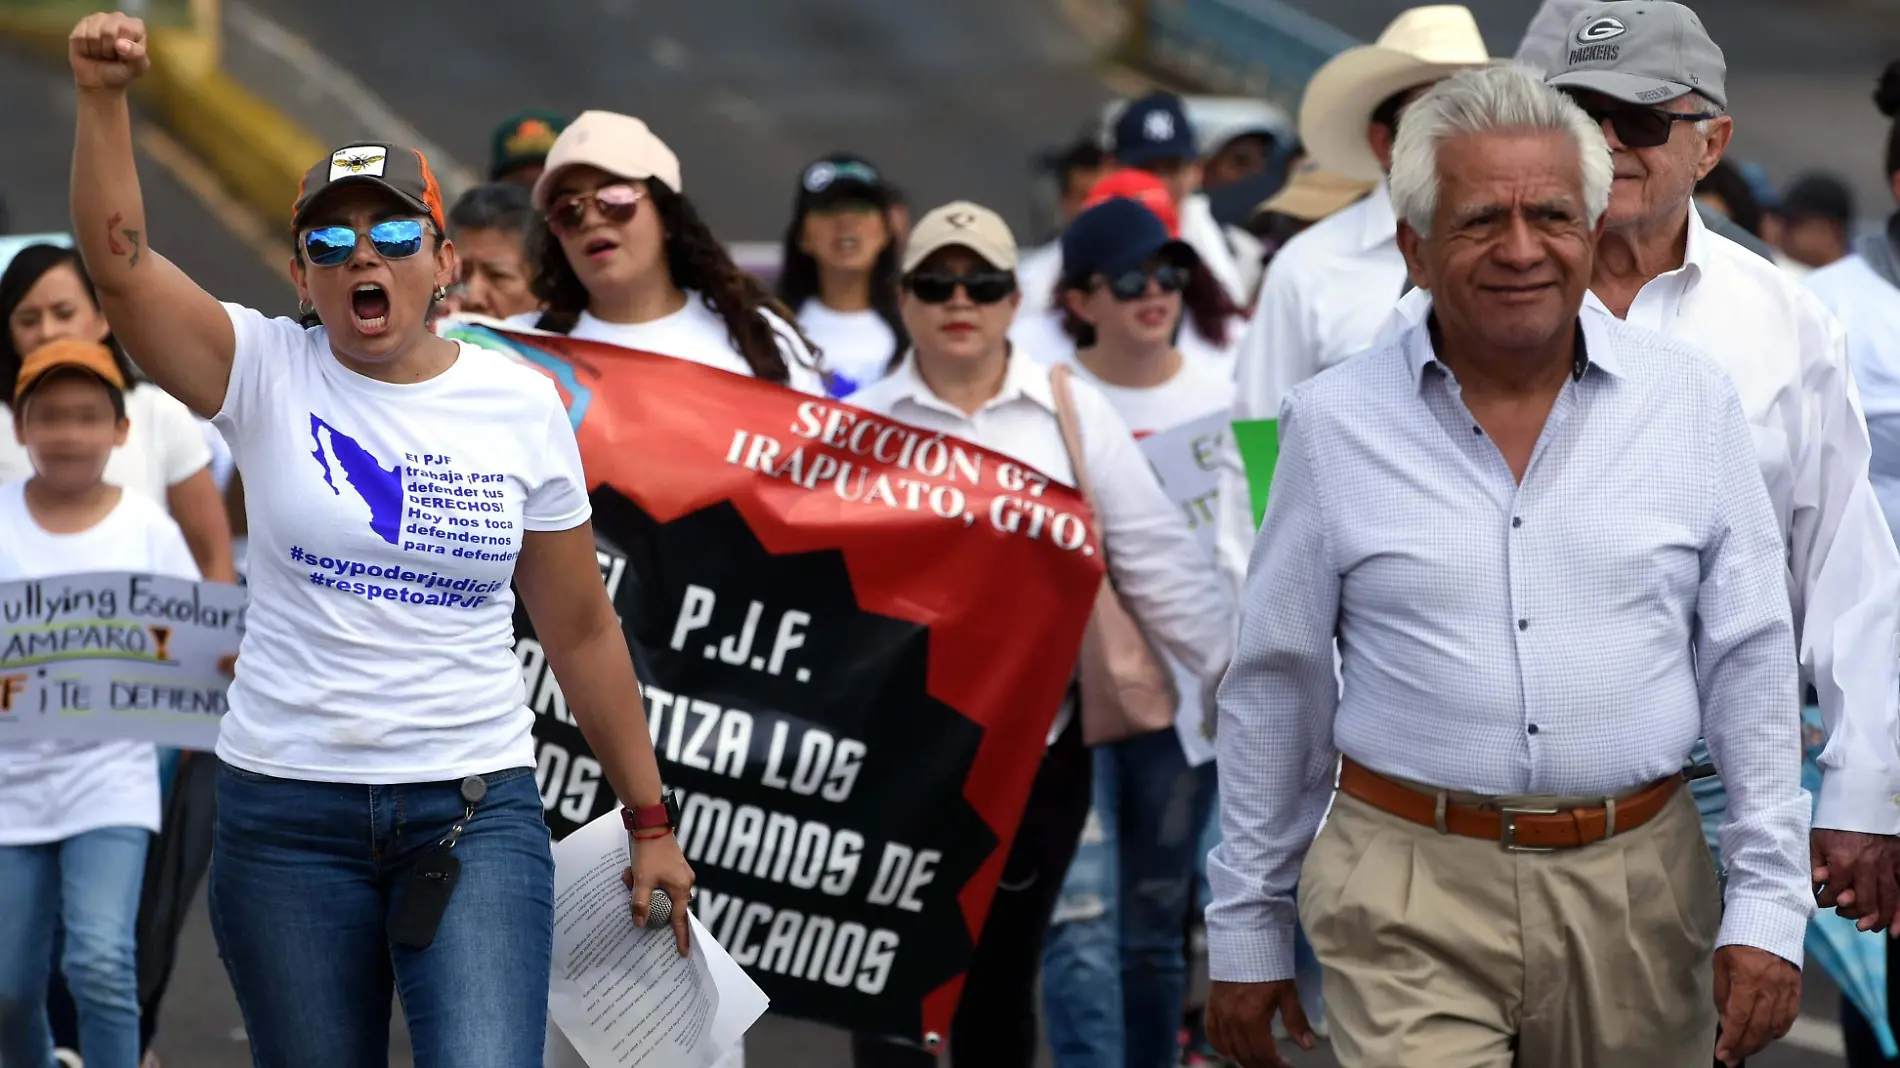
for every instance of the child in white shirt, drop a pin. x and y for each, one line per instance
(75, 817)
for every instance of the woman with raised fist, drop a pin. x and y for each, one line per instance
(379, 825)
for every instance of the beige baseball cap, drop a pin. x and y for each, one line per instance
(962, 223)
(621, 145)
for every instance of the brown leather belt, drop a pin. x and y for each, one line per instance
(1518, 830)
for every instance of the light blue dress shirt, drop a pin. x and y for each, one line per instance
(1570, 635)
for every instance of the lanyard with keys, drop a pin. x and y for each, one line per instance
(425, 893)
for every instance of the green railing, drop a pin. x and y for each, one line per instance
(64, 13)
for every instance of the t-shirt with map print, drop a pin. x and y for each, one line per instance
(385, 521)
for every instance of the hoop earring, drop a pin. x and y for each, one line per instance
(305, 310)
(441, 294)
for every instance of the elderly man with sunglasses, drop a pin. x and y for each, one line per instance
(1649, 72)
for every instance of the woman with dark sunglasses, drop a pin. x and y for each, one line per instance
(839, 270)
(961, 377)
(1125, 288)
(624, 258)
(379, 826)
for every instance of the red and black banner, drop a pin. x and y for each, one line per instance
(853, 636)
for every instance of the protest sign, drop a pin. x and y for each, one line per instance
(116, 655)
(853, 637)
(1186, 458)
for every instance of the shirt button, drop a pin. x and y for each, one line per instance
(1532, 729)
(1477, 430)
(1523, 624)
(1896, 799)
(1517, 521)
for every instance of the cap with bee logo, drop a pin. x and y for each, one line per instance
(402, 171)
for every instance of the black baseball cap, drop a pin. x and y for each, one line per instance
(402, 171)
(1817, 196)
(842, 178)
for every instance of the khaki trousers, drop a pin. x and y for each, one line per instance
(1448, 952)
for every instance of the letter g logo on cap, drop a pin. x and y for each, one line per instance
(1601, 30)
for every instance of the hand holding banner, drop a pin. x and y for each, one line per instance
(853, 637)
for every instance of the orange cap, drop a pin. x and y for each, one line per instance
(67, 352)
(1141, 187)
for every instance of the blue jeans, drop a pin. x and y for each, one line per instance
(89, 885)
(305, 877)
(1115, 966)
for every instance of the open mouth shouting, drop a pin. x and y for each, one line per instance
(369, 304)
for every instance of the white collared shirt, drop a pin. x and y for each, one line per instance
(1869, 308)
(1327, 297)
(1788, 358)
(1571, 634)
(1162, 575)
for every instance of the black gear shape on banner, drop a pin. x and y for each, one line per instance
(867, 679)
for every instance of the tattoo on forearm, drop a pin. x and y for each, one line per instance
(112, 241)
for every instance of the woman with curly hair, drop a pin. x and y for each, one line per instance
(625, 258)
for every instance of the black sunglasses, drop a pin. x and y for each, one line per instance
(1133, 285)
(984, 287)
(1637, 126)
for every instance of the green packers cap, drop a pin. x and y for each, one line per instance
(523, 140)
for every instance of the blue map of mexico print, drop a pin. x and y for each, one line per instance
(450, 522)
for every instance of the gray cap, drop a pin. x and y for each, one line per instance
(1643, 52)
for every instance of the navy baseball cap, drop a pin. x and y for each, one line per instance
(1115, 237)
(1151, 128)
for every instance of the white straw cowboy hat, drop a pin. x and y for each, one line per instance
(1421, 46)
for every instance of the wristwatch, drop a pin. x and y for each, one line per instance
(665, 814)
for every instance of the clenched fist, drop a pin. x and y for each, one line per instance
(107, 51)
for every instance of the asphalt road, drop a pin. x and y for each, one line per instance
(36, 121)
(951, 99)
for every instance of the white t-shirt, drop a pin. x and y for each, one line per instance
(694, 333)
(384, 524)
(856, 346)
(164, 445)
(50, 791)
(1196, 390)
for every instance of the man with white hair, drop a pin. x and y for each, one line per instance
(1542, 543)
(1648, 72)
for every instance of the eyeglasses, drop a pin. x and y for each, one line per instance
(983, 287)
(1637, 126)
(1133, 285)
(394, 239)
(616, 204)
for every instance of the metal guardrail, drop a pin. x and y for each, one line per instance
(1258, 48)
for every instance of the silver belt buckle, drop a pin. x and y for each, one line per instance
(1507, 828)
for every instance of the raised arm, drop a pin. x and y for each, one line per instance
(176, 332)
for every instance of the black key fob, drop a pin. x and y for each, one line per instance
(425, 898)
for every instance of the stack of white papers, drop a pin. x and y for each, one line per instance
(621, 996)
